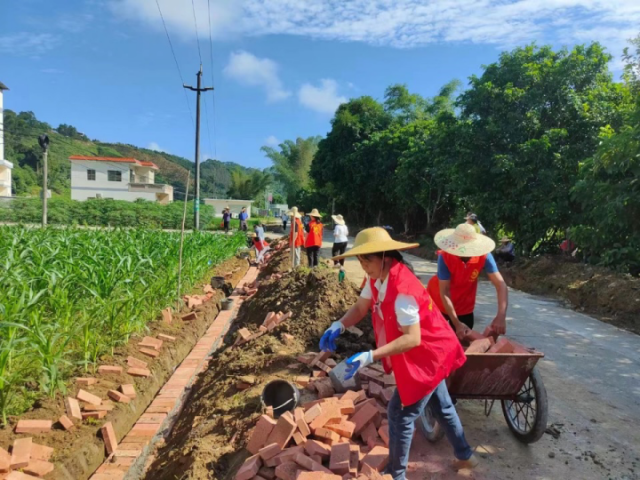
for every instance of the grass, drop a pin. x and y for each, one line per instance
(69, 296)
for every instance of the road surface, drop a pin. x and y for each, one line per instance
(591, 371)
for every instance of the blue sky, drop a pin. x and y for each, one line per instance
(280, 67)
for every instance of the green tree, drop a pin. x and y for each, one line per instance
(248, 186)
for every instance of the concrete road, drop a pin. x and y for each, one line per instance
(591, 371)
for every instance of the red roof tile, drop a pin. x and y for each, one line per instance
(114, 159)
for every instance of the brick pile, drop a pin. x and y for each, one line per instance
(271, 321)
(27, 460)
(336, 437)
(478, 343)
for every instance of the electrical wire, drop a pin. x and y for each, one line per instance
(176, 60)
(195, 22)
(213, 84)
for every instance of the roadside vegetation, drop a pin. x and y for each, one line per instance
(69, 296)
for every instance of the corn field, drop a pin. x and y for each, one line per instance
(68, 296)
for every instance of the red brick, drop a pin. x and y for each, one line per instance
(86, 381)
(166, 315)
(375, 390)
(105, 407)
(327, 434)
(109, 437)
(109, 369)
(320, 357)
(149, 352)
(139, 372)
(350, 395)
(377, 458)
(363, 416)
(287, 471)
(354, 459)
(33, 426)
(369, 434)
(317, 476)
(383, 431)
(118, 396)
(287, 455)
(261, 432)
(249, 468)
(136, 363)
(97, 415)
(129, 390)
(310, 464)
(306, 358)
(299, 438)
(323, 366)
(189, 316)
(330, 414)
(5, 460)
(303, 428)
(314, 447)
(269, 451)
(21, 453)
(387, 394)
(283, 431)
(340, 458)
(344, 428)
(319, 374)
(303, 381)
(369, 401)
(480, 346)
(39, 468)
(324, 388)
(502, 346)
(87, 397)
(267, 473)
(168, 338)
(21, 476)
(312, 413)
(389, 380)
(346, 406)
(330, 362)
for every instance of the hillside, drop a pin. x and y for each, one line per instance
(21, 148)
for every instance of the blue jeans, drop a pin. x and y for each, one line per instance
(402, 425)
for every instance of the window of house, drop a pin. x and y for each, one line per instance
(91, 174)
(114, 175)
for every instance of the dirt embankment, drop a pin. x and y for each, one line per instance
(209, 438)
(613, 297)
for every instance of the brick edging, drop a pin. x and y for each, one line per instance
(133, 453)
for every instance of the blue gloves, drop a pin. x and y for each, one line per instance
(328, 340)
(358, 361)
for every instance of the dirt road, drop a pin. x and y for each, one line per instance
(591, 371)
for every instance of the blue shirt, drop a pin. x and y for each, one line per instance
(444, 273)
(260, 233)
(243, 215)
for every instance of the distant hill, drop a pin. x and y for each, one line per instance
(21, 147)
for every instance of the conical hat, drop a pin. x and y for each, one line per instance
(338, 219)
(294, 212)
(315, 213)
(464, 241)
(374, 240)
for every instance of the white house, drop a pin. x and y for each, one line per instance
(235, 206)
(5, 166)
(117, 178)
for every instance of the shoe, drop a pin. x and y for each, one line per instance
(468, 464)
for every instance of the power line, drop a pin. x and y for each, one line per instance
(186, 98)
(195, 22)
(213, 83)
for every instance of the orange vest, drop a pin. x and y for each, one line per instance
(314, 237)
(299, 233)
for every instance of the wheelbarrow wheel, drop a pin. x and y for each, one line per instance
(429, 426)
(527, 414)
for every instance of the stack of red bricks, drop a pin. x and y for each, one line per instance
(27, 460)
(271, 321)
(478, 343)
(193, 301)
(337, 437)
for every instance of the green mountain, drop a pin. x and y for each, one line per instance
(21, 131)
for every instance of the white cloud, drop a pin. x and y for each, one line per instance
(272, 141)
(155, 147)
(27, 43)
(323, 99)
(250, 70)
(405, 23)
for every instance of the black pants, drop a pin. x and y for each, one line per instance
(226, 226)
(284, 224)
(312, 256)
(507, 257)
(466, 319)
(338, 249)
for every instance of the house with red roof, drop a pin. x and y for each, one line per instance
(116, 178)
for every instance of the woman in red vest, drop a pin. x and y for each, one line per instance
(314, 238)
(413, 341)
(296, 226)
(463, 254)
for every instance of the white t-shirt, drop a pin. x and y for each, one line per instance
(407, 310)
(340, 234)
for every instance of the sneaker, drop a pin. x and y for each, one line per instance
(467, 464)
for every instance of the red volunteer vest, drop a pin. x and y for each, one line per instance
(314, 237)
(259, 244)
(418, 371)
(299, 233)
(464, 283)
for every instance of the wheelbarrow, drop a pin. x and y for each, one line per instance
(509, 377)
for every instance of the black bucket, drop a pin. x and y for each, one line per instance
(217, 282)
(227, 304)
(281, 395)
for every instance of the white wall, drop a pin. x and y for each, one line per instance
(5, 167)
(1, 126)
(234, 205)
(82, 188)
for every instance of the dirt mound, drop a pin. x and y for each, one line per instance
(614, 297)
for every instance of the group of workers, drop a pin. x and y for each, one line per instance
(243, 216)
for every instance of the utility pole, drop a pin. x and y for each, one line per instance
(43, 140)
(196, 203)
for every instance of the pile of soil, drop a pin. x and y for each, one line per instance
(614, 297)
(209, 437)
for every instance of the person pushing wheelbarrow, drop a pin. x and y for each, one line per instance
(413, 341)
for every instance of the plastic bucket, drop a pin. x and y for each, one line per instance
(281, 395)
(217, 282)
(226, 304)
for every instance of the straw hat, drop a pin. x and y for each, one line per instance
(294, 212)
(315, 213)
(338, 219)
(505, 240)
(464, 241)
(373, 240)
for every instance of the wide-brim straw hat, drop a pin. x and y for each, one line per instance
(315, 213)
(505, 240)
(294, 212)
(464, 241)
(338, 219)
(374, 240)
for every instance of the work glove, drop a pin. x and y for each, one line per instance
(328, 340)
(358, 361)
